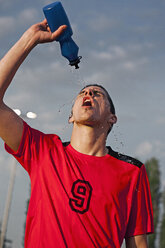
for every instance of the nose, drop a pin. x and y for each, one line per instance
(89, 92)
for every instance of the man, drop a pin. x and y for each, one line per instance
(83, 194)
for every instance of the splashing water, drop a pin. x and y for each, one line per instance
(70, 102)
(78, 78)
(118, 140)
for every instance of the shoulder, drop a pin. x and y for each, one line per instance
(124, 158)
(36, 134)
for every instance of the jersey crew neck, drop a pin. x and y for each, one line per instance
(70, 148)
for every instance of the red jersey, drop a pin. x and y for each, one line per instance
(80, 200)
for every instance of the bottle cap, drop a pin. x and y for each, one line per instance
(75, 62)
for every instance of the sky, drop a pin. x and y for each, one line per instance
(122, 46)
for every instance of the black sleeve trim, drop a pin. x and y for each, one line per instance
(66, 143)
(124, 158)
(117, 155)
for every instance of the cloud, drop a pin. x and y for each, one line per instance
(7, 24)
(100, 23)
(161, 120)
(127, 118)
(159, 148)
(163, 183)
(131, 65)
(118, 51)
(7, 3)
(151, 148)
(28, 15)
(114, 52)
(126, 58)
(135, 63)
(98, 77)
(144, 149)
(102, 55)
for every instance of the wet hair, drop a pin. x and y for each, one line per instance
(112, 107)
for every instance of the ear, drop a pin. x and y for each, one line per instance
(112, 119)
(70, 119)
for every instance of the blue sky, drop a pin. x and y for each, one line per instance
(122, 46)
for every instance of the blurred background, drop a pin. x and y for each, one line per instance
(122, 45)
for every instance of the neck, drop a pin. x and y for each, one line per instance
(89, 140)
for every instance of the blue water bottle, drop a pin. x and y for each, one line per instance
(56, 16)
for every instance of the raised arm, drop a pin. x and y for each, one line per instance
(11, 125)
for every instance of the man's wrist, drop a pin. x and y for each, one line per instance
(29, 40)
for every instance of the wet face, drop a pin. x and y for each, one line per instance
(92, 108)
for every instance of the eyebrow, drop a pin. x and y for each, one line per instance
(98, 90)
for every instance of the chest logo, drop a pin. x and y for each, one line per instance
(81, 192)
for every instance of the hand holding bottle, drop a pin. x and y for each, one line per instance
(41, 33)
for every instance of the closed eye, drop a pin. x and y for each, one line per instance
(98, 93)
(82, 92)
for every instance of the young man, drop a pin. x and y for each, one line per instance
(83, 194)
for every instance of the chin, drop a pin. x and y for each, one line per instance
(87, 121)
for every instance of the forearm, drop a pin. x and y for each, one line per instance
(139, 241)
(10, 63)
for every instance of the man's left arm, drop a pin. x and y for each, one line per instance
(139, 241)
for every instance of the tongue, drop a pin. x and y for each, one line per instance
(87, 104)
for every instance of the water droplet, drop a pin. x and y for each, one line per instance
(78, 78)
(118, 140)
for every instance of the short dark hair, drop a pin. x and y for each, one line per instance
(112, 107)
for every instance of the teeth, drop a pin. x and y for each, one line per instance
(87, 102)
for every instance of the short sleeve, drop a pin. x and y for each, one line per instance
(141, 216)
(30, 147)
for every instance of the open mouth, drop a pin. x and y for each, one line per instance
(87, 102)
